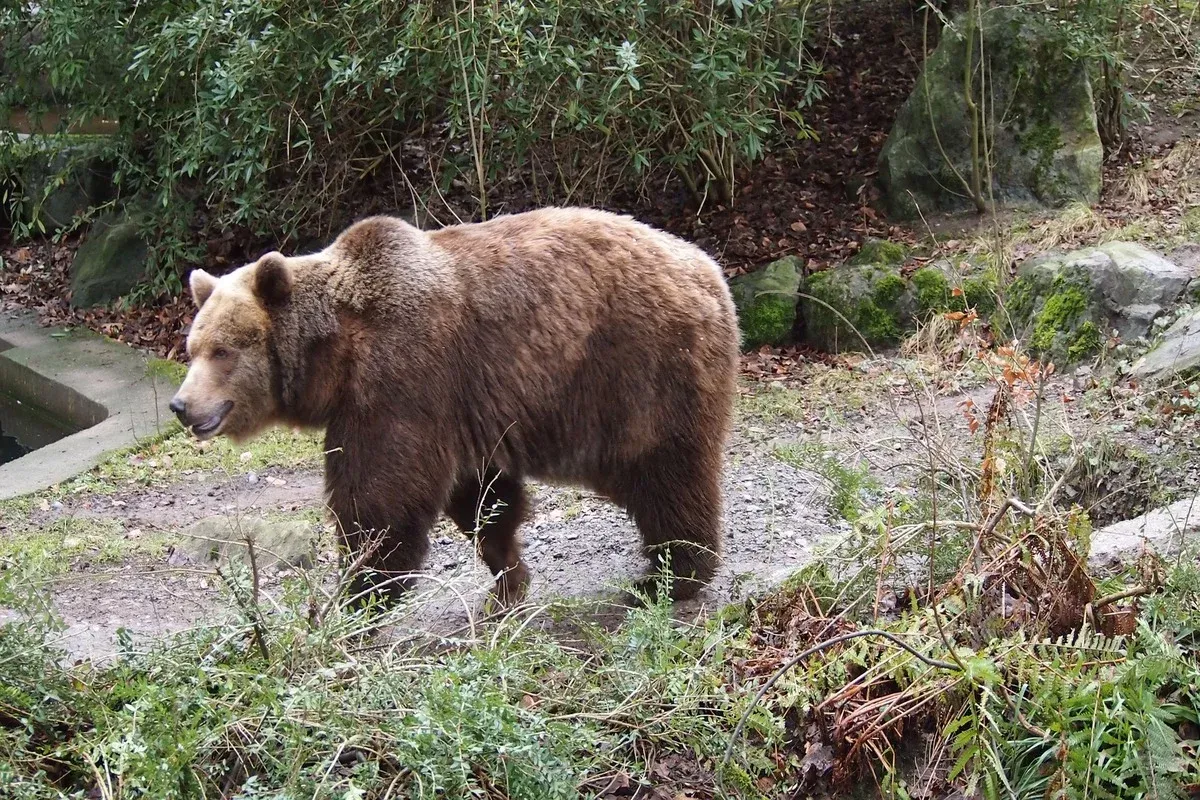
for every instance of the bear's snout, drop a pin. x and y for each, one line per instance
(178, 407)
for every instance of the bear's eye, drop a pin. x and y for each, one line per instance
(220, 353)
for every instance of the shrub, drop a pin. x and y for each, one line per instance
(279, 116)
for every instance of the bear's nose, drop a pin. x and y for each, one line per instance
(177, 406)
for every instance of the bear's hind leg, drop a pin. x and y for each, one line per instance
(492, 508)
(674, 497)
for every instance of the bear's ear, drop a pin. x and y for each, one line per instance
(202, 286)
(273, 280)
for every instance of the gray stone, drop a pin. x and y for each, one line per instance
(1064, 305)
(1177, 353)
(1187, 256)
(214, 541)
(64, 177)
(1164, 531)
(766, 301)
(1045, 149)
(110, 263)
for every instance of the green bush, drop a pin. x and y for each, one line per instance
(279, 116)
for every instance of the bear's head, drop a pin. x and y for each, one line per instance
(230, 387)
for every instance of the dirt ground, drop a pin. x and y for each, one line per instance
(576, 545)
(880, 421)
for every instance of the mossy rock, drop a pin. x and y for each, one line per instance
(883, 306)
(880, 252)
(852, 303)
(62, 178)
(766, 301)
(112, 261)
(1063, 305)
(1045, 152)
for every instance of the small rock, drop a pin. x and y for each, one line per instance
(1162, 531)
(71, 542)
(217, 539)
(245, 457)
(271, 479)
(251, 478)
(133, 533)
(1177, 353)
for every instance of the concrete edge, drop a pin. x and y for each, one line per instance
(101, 385)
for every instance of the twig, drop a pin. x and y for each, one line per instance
(1109, 599)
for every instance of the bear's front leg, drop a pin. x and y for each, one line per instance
(384, 509)
(384, 557)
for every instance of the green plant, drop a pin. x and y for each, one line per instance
(272, 117)
(297, 702)
(850, 486)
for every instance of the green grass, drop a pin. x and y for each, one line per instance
(71, 543)
(178, 455)
(273, 705)
(851, 486)
(772, 403)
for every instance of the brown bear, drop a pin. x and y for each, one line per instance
(565, 345)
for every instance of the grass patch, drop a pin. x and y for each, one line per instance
(178, 454)
(277, 704)
(773, 402)
(71, 543)
(851, 487)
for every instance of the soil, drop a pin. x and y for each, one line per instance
(576, 545)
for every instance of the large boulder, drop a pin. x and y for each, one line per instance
(1041, 121)
(1177, 353)
(112, 261)
(64, 177)
(1064, 305)
(766, 301)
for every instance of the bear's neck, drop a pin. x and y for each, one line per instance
(307, 363)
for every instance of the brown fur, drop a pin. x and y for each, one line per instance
(564, 345)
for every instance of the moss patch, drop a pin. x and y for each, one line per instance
(767, 321)
(1058, 315)
(933, 291)
(1054, 310)
(980, 293)
(880, 252)
(166, 369)
(1084, 342)
(766, 302)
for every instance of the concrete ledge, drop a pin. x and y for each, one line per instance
(101, 386)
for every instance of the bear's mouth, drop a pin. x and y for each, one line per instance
(210, 425)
